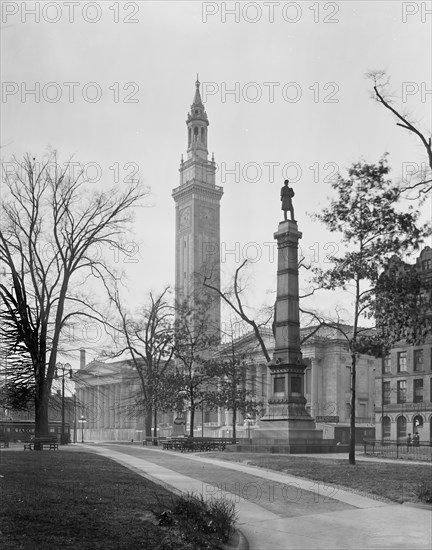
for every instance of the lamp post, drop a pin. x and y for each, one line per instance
(82, 421)
(66, 370)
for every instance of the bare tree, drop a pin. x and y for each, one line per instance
(382, 94)
(148, 339)
(231, 368)
(196, 341)
(234, 299)
(52, 225)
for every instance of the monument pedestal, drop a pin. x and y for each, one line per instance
(287, 421)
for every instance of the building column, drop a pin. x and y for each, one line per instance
(121, 407)
(107, 406)
(112, 405)
(314, 386)
(117, 405)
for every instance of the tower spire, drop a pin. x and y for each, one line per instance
(197, 101)
(197, 123)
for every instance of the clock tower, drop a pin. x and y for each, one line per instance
(197, 201)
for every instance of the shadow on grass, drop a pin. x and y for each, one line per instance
(55, 500)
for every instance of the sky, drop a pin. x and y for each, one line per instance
(285, 92)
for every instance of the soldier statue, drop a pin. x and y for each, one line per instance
(287, 193)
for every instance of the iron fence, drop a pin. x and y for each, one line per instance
(398, 449)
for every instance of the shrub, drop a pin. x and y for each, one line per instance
(424, 492)
(194, 522)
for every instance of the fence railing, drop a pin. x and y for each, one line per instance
(398, 449)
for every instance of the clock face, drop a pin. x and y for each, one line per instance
(185, 217)
(207, 214)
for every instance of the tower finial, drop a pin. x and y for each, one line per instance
(197, 83)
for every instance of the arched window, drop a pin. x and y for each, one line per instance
(417, 422)
(195, 133)
(203, 136)
(386, 427)
(401, 427)
(189, 137)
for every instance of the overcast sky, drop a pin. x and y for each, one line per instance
(302, 101)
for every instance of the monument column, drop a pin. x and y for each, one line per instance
(286, 420)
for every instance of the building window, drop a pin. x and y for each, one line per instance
(386, 393)
(279, 384)
(402, 361)
(401, 391)
(417, 422)
(253, 384)
(264, 385)
(427, 264)
(401, 427)
(418, 359)
(387, 364)
(418, 390)
(386, 427)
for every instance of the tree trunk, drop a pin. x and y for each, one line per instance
(192, 419)
(41, 412)
(148, 420)
(234, 422)
(351, 456)
(155, 422)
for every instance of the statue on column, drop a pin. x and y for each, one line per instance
(286, 195)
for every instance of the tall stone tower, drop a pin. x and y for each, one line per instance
(197, 201)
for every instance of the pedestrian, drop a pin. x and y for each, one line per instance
(409, 442)
(416, 440)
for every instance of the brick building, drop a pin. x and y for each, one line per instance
(404, 383)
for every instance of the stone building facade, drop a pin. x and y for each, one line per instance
(404, 382)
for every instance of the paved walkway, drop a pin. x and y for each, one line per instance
(282, 512)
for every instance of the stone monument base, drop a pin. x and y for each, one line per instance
(287, 432)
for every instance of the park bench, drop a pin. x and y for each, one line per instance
(4, 442)
(197, 444)
(48, 440)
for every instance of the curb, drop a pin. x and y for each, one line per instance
(422, 505)
(237, 542)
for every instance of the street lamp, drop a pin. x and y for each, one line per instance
(82, 421)
(66, 370)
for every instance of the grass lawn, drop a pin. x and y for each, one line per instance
(63, 499)
(397, 482)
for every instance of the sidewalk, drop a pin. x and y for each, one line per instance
(282, 512)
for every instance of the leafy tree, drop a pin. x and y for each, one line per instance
(148, 339)
(18, 388)
(52, 225)
(364, 213)
(402, 304)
